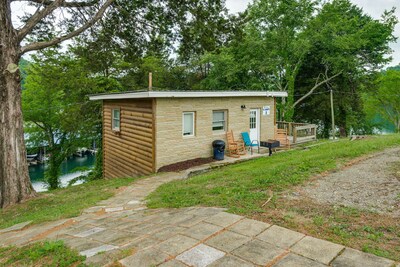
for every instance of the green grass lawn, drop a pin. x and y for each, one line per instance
(53, 253)
(61, 203)
(243, 187)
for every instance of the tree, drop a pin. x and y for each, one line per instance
(300, 46)
(385, 101)
(352, 44)
(272, 51)
(14, 179)
(136, 30)
(56, 110)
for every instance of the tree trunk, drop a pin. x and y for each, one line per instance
(15, 185)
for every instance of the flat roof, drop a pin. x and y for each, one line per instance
(186, 94)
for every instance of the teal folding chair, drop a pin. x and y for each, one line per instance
(250, 143)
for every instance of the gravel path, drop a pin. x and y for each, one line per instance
(370, 184)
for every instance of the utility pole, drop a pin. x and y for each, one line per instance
(333, 117)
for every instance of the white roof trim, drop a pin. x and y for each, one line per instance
(186, 94)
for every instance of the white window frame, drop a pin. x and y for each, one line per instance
(225, 112)
(113, 119)
(193, 123)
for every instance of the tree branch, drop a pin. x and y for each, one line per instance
(37, 17)
(57, 40)
(65, 4)
(39, 125)
(315, 87)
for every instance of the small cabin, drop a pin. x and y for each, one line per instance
(144, 131)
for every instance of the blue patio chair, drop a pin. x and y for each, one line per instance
(250, 143)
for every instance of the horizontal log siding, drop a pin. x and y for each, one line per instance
(172, 147)
(129, 152)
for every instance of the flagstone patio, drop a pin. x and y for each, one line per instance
(122, 229)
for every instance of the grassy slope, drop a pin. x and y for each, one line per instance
(243, 187)
(61, 203)
(53, 253)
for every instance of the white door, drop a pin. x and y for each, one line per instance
(254, 124)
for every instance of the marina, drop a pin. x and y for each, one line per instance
(68, 167)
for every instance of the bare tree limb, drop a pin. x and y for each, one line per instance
(64, 4)
(57, 40)
(317, 84)
(39, 125)
(37, 17)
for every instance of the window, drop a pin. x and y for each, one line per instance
(116, 119)
(253, 119)
(188, 124)
(219, 120)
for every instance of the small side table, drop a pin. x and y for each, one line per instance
(270, 144)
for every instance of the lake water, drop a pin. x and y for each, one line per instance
(36, 172)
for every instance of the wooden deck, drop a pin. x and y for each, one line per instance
(299, 132)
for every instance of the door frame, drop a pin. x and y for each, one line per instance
(258, 122)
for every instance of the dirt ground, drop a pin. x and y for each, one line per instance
(372, 184)
(184, 165)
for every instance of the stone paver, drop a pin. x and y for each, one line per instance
(134, 202)
(116, 238)
(258, 252)
(249, 227)
(177, 244)
(317, 249)
(81, 244)
(293, 260)
(141, 243)
(228, 241)
(224, 219)
(94, 209)
(354, 258)
(16, 227)
(147, 257)
(230, 261)
(200, 256)
(100, 259)
(167, 232)
(114, 209)
(280, 236)
(194, 236)
(172, 263)
(202, 230)
(90, 232)
(93, 251)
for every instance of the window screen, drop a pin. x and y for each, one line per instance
(116, 119)
(219, 120)
(188, 124)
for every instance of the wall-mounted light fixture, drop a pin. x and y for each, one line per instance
(243, 107)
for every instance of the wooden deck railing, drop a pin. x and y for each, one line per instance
(300, 132)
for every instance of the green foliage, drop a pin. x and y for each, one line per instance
(62, 203)
(242, 187)
(297, 45)
(49, 253)
(23, 66)
(56, 111)
(385, 101)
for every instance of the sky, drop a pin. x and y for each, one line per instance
(375, 8)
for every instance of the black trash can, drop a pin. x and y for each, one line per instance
(218, 148)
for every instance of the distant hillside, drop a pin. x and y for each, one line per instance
(394, 68)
